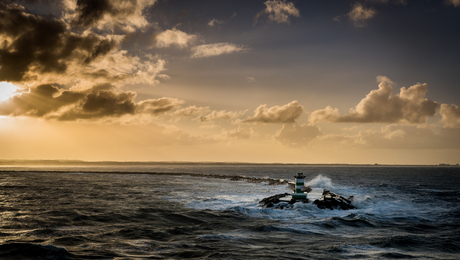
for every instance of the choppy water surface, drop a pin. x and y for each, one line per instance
(403, 212)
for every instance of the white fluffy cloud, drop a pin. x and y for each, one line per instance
(174, 37)
(215, 49)
(450, 115)
(380, 106)
(277, 114)
(297, 135)
(359, 14)
(278, 11)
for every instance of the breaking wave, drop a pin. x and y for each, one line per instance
(320, 182)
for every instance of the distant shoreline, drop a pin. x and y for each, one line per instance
(154, 163)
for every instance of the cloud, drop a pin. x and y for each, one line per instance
(276, 114)
(174, 37)
(238, 133)
(205, 114)
(50, 101)
(42, 49)
(403, 137)
(214, 21)
(278, 11)
(34, 43)
(191, 111)
(180, 137)
(450, 115)
(158, 106)
(384, 79)
(359, 14)
(107, 14)
(327, 114)
(121, 67)
(215, 49)
(39, 101)
(221, 115)
(380, 106)
(251, 80)
(297, 135)
(453, 2)
(406, 137)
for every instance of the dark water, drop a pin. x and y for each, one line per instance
(403, 213)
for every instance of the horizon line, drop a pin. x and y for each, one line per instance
(84, 162)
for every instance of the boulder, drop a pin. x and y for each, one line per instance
(328, 200)
(272, 200)
(332, 201)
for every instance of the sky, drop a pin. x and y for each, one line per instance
(261, 81)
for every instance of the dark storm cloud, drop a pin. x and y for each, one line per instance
(109, 13)
(91, 11)
(33, 40)
(101, 49)
(39, 101)
(49, 101)
(101, 101)
(158, 106)
(41, 44)
(30, 1)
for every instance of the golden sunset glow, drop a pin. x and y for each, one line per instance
(6, 90)
(270, 81)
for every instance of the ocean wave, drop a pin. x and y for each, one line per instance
(129, 216)
(320, 182)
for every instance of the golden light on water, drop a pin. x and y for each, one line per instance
(6, 90)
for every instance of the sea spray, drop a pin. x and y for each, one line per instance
(320, 182)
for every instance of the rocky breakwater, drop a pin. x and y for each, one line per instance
(332, 201)
(328, 200)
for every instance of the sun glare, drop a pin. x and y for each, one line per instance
(6, 90)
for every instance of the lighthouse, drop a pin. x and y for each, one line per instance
(299, 187)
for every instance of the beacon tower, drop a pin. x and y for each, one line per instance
(299, 187)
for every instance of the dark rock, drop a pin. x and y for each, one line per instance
(270, 201)
(275, 202)
(275, 199)
(332, 201)
(328, 200)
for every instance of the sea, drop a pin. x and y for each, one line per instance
(206, 211)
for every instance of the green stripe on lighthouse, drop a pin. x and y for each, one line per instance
(299, 186)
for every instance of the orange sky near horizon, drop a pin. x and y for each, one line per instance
(268, 81)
